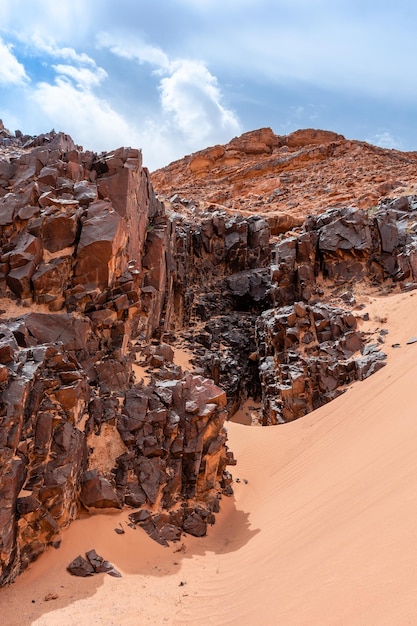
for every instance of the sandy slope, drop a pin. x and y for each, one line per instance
(323, 532)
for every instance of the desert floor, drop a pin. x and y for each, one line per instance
(322, 529)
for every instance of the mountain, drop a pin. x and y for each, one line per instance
(139, 313)
(287, 177)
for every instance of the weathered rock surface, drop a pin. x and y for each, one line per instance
(308, 354)
(87, 268)
(347, 245)
(285, 177)
(288, 361)
(95, 271)
(93, 564)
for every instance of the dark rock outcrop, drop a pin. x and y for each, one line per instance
(298, 358)
(347, 245)
(93, 564)
(86, 245)
(95, 271)
(307, 356)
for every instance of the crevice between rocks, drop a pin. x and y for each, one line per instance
(130, 277)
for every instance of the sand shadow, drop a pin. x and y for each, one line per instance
(46, 586)
(230, 533)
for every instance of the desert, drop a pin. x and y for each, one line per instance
(323, 531)
(207, 382)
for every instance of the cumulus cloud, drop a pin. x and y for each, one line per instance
(11, 71)
(192, 112)
(90, 120)
(192, 96)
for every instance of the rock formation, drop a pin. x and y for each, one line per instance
(269, 333)
(97, 272)
(284, 177)
(86, 279)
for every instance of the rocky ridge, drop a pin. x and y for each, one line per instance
(284, 177)
(96, 274)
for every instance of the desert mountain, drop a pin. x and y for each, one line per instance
(287, 177)
(256, 260)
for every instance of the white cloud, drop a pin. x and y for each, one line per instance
(11, 71)
(135, 50)
(88, 119)
(48, 46)
(384, 139)
(192, 96)
(83, 76)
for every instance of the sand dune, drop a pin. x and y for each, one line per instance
(322, 533)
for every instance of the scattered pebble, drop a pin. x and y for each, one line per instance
(181, 548)
(119, 531)
(412, 340)
(50, 596)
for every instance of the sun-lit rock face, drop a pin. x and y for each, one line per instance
(287, 177)
(101, 283)
(86, 271)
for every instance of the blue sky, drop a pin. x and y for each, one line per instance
(175, 76)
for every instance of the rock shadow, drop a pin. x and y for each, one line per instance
(46, 586)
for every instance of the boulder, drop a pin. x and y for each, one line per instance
(97, 492)
(80, 567)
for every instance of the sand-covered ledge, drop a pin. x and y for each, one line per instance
(321, 530)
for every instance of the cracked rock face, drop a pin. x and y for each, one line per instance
(308, 354)
(95, 270)
(85, 276)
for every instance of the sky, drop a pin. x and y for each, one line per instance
(175, 76)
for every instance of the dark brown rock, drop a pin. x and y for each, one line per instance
(97, 492)
(195, 525)
(59, 230)
(80, 567)
(307, 353)
(100, 242)
(101, 566)
(85, 235)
